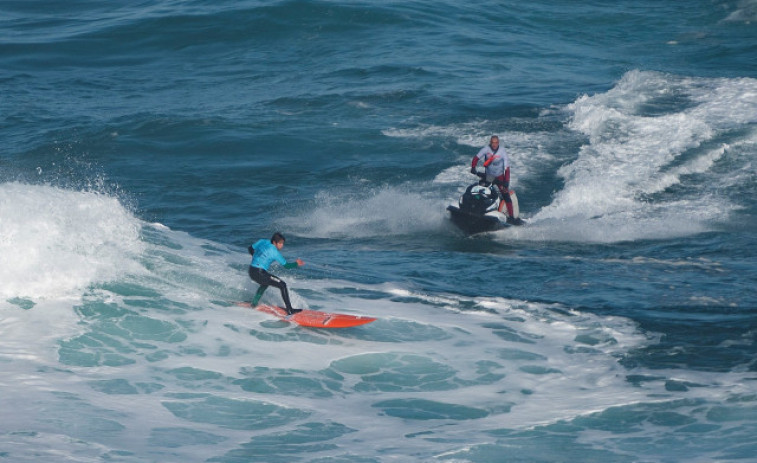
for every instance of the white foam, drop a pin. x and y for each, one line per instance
(365, 211)
(55, 242)
(633, 153)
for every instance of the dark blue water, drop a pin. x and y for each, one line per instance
(145, 145)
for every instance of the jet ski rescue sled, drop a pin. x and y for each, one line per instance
(478, 209)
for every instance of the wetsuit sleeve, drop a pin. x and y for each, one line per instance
(291, 265)
(280, 259)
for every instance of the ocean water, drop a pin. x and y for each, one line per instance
(146, 144)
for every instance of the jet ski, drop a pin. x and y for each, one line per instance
(478, 209)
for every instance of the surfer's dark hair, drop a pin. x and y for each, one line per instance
(277, 237)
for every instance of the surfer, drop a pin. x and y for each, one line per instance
(264, 253)
(497, 166)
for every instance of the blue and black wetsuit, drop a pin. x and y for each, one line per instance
(264, 253)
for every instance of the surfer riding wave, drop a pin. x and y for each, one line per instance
(264, 253)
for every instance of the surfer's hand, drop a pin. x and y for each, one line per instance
(473, 171)
(300, 263)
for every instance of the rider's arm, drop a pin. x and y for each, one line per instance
(296, 263)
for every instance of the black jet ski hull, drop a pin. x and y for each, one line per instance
(474, 223)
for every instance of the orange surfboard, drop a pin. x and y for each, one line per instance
(312, 318)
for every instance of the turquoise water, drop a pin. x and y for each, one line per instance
(146, 145)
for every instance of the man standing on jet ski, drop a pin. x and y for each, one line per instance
(497, 166)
